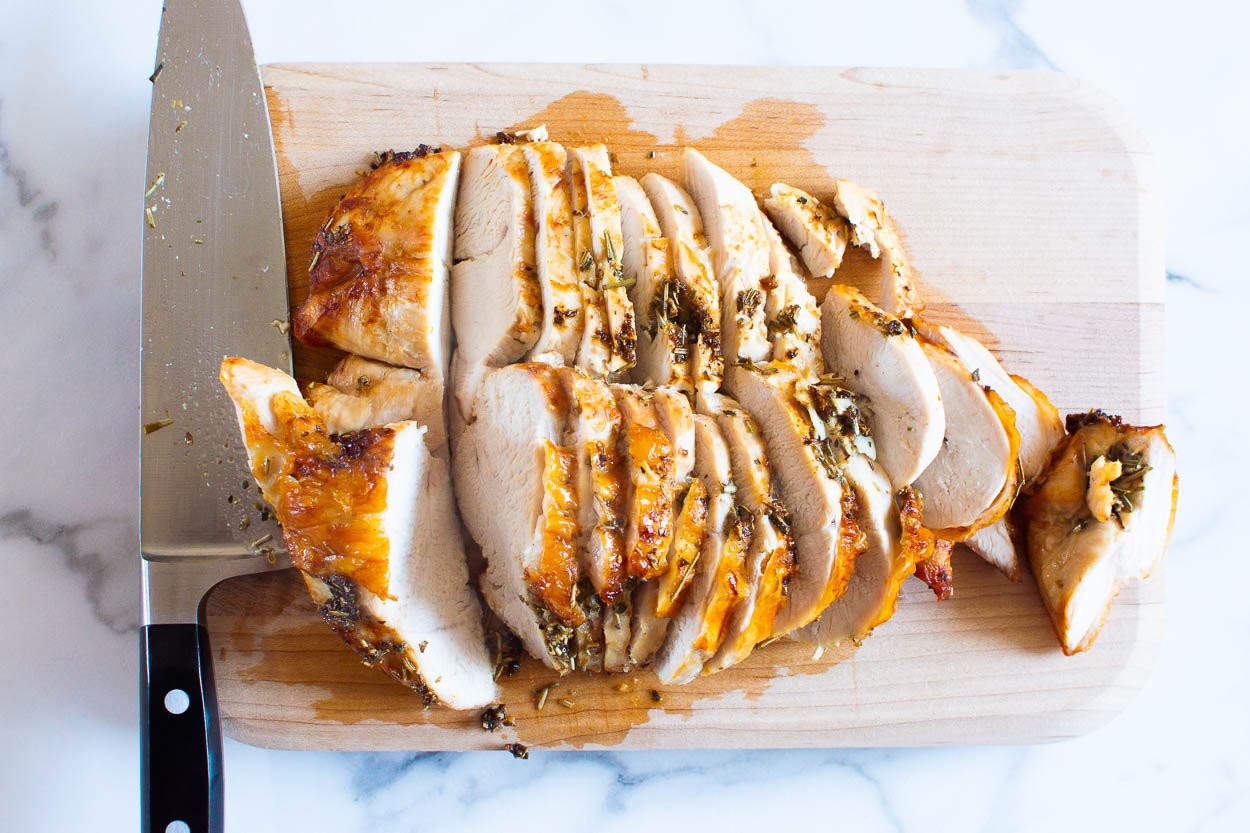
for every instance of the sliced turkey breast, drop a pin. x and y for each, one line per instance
(770, 561)
(1037, 422)
(875, 354)
(809, 484)
(378, 280)
(594, 353)
(361, 393)
(369, 520)
(717, 585)
(561, 332)
(873, 229)
(602, 482)
(734, 229)
(604, 212)
(974, 478)
(649, 459)
(528, 532)
(793, 316)
(1100, 515)
(873, 588)
(663, 348)
(679, 220)
(816, 231)
(602, 485)
(651, 608)
(496, 300)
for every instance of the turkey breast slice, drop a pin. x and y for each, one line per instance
(663, 351)
(362, 393)
(496, 301)
(679, 220)
(528, 532)
(873, 229)
(556, 269)
(793, 316)
(972, 481)
(594, 353)
(875, 354)
(808, 483)
(880, 569)
(403, 601)
(696, 632)
(816, 231)
(675, 419)
(378, 280)
(604, 212)
(602, 483)
(1037, 421)
(740, 254)
(770, 560)
(1100, 515)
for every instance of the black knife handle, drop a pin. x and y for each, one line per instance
(180, 733)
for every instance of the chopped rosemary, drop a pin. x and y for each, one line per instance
(157, 424)
(540, 701)
(156, 183)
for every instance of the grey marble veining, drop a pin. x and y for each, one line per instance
(73, 117)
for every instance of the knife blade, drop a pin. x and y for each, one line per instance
(214, 284)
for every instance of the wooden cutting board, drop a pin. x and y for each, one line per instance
(1030, 209)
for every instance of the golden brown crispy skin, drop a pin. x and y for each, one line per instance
(689, 533)
(373, 263)
(930, 555)
(555, 579)
(851, 542)
(651, 453)
(729, 585)
(328, 494)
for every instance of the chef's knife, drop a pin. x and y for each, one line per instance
(214, 284)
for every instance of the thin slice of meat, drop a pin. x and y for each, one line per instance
(808, 483)
(369, 520)
(515, 473)
(770, 561)
(816, 231)
(558, 278)
(362, 393)
(700, 298)
(1100, 515)
(974, 478)
(875, 354)
(873, 229)
(663, 348)
(1037, 421)
(735, 233)
(604, 212)
(651, 608)
(496, 301)
(594, 353)
(872, 591)
(793, 316)
(697, 630)
(378, 280)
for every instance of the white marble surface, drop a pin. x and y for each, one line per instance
(73, 120)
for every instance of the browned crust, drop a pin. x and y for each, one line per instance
(379, 646)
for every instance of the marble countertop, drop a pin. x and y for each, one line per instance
(73, 121)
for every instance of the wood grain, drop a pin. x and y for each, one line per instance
(1030, 210)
